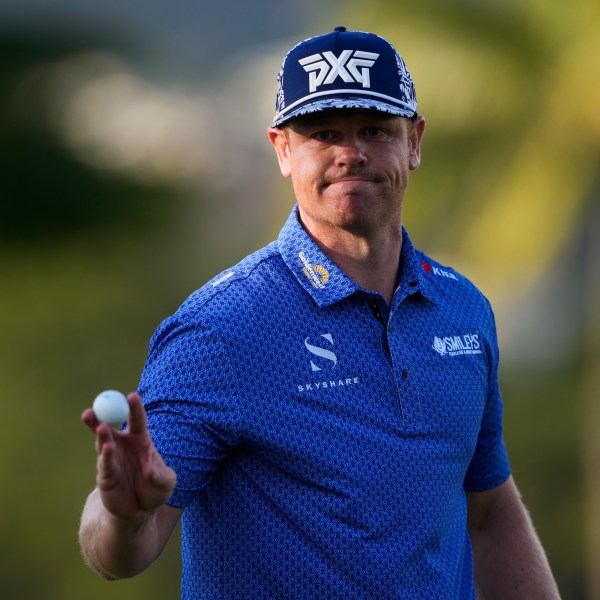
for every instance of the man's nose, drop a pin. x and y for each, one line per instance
(351, 152)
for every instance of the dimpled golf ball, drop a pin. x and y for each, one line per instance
(111, 407)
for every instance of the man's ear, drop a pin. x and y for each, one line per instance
(415, 137)
(280, 141)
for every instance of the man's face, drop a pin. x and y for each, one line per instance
(349, 168)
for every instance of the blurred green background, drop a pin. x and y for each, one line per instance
(134, 166)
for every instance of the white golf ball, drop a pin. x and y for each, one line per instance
(111, 407)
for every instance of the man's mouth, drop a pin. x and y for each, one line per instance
(352, 178)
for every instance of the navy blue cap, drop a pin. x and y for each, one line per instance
(344, 69)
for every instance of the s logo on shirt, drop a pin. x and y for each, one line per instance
(322, 353)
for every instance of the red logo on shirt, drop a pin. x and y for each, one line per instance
(437, 271)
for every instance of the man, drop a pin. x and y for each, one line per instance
(325, 416)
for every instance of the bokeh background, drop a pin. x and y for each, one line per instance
(134, 166)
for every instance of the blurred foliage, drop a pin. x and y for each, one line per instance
(85, 277)
(45, 192)
(92, 259)
(510, 93)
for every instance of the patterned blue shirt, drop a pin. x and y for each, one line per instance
(323, 444)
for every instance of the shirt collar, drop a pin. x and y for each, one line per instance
(412, 275)
(326, 282)
(313, 269)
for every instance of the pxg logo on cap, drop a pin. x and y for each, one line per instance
(344, 69)
(350, 66)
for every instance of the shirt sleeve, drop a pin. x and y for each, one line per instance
(489, 466)
(189, 395)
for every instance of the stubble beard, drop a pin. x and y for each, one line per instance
(362, 218)
(365, 216)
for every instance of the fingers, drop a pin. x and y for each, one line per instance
(105, 435)
(131, 474)
(89, 419)
(109, 464)
(158, 474)
(161, 481)
(103, 432)
(105, 465)
(126, 444)
(136, 422)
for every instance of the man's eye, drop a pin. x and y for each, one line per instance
(323, 135)
(374, 131)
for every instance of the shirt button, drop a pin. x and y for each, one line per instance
(391, 328)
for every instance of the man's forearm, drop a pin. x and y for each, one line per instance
(116, 548)
(510, 562)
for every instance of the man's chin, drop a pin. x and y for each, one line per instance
(361, 223)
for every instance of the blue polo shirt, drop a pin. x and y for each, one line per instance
(323, 444)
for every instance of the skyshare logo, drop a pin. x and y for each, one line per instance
(351, 65)
(321, 352)
(327, 361)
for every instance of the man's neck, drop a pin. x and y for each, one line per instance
(371, 262)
